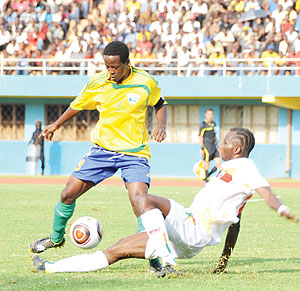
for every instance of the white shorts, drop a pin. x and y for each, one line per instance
(185, 238)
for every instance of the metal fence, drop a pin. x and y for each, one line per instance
(199, 67)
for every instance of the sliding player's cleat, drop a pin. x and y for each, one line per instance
(155, 266)
(170, 271)
(38, 264)
(43, 244)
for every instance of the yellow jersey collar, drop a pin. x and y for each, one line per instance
(127, 79)
(210, 123)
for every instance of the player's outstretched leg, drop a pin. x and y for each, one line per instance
(131, 247)
(63, 211)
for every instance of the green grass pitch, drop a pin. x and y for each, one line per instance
(266, 255)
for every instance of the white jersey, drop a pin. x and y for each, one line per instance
(214, 208)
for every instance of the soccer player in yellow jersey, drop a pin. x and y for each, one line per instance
(121, 94)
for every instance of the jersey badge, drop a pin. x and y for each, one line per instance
(133, 98)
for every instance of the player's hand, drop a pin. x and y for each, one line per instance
(290, 216)
(159, 134)
(48, 131)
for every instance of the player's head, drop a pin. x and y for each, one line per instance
(116, 59)
(237, 143)
(38, 124)
(209, 114)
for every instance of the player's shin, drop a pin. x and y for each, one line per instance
(62, 213)
(80, 263)
(155, 227)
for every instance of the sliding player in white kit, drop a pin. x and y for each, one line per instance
(173, 231)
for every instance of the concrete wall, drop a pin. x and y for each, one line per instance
(173, 159)
(211, 86)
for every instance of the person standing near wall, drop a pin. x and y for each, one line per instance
(39, 141)
(209, 142)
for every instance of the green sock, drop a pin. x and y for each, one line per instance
(140, 225)
(62, 213)
(140, 229)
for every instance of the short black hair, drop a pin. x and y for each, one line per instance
(245, 138)
(117, 48)
(209, 109)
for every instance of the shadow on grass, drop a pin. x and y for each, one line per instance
(208, 265)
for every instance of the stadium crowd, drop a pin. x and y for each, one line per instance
(189, 30)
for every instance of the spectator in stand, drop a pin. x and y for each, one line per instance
(149, 16)
(233, 55)
(239, 5)
(20, 5)
(167, 24)
(5, 37)
(216, 61)
(55, 32)
(225, 37)
(47, 15)
(270, 54)
(252, 4)
(199, 11)
(149, 54)
(143, 45)
(133, 5)
(113, 7)
(23, 63)
(143, 33)
(10, 16)
(74, 12)
(296, 44)
(283, 46)
(130, 36)
(291, 34)
(135, 55)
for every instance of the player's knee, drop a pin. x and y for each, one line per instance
(116, 252)
(142, 203)
(67, 196)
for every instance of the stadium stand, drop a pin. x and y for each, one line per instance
(239, 31)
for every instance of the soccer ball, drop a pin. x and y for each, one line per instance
(86, 232)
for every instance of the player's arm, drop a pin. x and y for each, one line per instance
(201, 135)
(216, 140)
(51, 128)
(31, 140)
(231, 239)
(201, 141)
(159, 133)
(275, 203)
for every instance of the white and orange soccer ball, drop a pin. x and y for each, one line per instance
(86, 232)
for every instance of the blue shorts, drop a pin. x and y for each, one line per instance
(100, 164)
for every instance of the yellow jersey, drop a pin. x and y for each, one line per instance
(122, 108)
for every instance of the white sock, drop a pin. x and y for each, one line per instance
(80, 263)
(155, 227)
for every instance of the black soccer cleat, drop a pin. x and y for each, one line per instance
(38, 264)
(43, 244)
(169, 271)
(154, 266)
